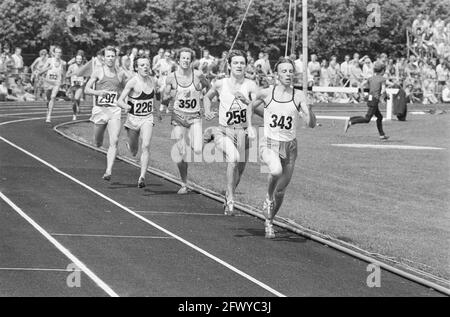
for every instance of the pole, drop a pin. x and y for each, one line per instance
(305, 44)
(288, 26)
(293, 45)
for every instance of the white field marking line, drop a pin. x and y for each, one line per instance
(107, 236)
(61, 248)
(36, 269)
(388, 146)
(193, 246)
(342, 118)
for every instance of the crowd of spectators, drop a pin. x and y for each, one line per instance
(424, 79)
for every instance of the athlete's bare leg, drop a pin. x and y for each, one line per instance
(146, 133)
(113, 131)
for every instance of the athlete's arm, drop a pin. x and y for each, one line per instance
(125, 92)
(213, 91)
(34, 64)
(169, 89)
(63, 73)
(203, 80)
(89, 86)
(70, 71)
(305, 111)
(44, 69)
(260, 97)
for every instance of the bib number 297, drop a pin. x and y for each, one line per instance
(237, 116)
(108, 99)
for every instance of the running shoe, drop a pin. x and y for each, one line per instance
(383, 137)
(228, 207)
(268, 208)
(107, 177)
(141, 182)
(74, 117)
(347, 125)
(270, 232)
(47, 120)
(183, 190)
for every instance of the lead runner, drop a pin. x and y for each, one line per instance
(278, 149)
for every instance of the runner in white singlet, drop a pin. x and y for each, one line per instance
(184, 87)
(235, 93)
(278, 148)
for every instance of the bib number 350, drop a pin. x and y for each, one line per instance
(187, 104)
(236, 116)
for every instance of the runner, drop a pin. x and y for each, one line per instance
(54, 78)
(36, 68)
(377, 89)
(163, 68)
(184, 87)
(140, 91)
(106, 112)
(278, 149)
(76, 84)
(231, 136)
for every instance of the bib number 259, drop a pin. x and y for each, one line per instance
(236, 116)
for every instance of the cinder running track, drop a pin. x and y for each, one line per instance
(56, 210)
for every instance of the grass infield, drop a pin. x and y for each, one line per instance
(394, 202)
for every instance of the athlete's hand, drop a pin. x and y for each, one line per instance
(210, 115)
(241, 97)
(102, 93)
(251, 132)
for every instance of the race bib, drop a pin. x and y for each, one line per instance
(237, 116)
(142, 107)
(77, 81)
(52, 76)
(370, 98)
(187, 104)
(110, 99)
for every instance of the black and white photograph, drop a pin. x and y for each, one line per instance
(224, 154)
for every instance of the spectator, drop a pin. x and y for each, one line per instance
(158, 56)
(314, 69)
(442, 74)
(250, 59)
(324, 74)
(345, 71)
(446, 92)
(367, 69)
(18, 60)
(207, 58)
(3, 89)
(334, 72)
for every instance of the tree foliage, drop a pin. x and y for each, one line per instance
(335, 27)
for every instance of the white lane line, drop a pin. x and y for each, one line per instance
(107, 236)
(193, 246)
(36, 269)
(31, 119)
(177, 213)
(61, 248)
(30, 113)
(388, 146)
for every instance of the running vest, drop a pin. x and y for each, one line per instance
(232, 111)
(141, 106)
(187, 98)
(54, 74)
(110, 84)
(280, 119)
(76, 80)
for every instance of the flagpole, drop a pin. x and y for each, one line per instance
(293, 46)
(305, 44)
(288, 27)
